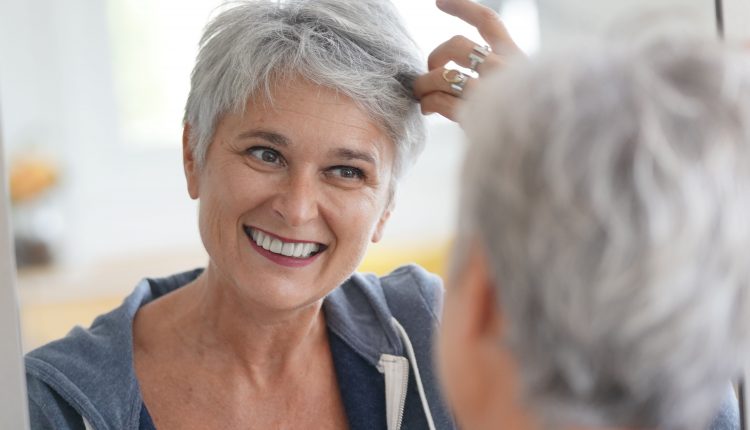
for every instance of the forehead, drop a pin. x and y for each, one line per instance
(308, 113)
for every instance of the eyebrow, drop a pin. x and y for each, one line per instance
(270, 136)
(352, 154)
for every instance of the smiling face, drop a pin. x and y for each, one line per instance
(291, 194)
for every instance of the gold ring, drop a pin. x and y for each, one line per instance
(456, 78)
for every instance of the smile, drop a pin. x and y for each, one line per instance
(284, 247)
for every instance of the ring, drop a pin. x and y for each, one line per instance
(456, 79)
(476, 58)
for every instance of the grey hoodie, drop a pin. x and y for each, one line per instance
(86, 380)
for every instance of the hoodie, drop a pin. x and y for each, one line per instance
(381, 331)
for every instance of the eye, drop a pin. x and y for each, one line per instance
(347, 172)
(266, 155)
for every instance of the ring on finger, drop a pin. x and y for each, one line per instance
(477, 56)
(456, 79)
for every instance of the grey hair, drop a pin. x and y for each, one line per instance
(359, 48)
(609, 186)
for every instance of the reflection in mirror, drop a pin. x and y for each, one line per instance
(99, 188)
(93, 140)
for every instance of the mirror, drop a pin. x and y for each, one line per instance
(111, 205)
(12, 381)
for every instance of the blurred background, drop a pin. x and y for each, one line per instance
(91, 102)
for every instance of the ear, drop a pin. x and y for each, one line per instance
(189, 163)
(482, 311)
(380, 227)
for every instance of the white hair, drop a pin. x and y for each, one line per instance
(610, 187)
(359, 48)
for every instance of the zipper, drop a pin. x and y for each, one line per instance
(396, 370)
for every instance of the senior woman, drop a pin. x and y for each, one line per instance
(299, 123)
(601, 276)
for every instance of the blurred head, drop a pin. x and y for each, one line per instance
(298, 125)
(600, 277)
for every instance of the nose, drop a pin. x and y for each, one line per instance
(297, 200)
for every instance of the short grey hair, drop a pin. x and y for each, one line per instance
(609, 185)
(359, 48)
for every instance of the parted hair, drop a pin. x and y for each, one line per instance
(610, 186)
(360, 48)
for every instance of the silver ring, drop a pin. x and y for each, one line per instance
(458, 87)
(477, 56)
(456, 79)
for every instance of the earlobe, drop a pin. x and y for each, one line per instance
(189, 164)
(380, 227)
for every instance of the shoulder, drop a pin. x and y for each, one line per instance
(88, 373)
(361, 310)
(406, 289)
(410, 285)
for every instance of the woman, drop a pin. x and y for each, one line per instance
(601, 276)
(299, 123)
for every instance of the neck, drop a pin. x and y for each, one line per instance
(215, 318)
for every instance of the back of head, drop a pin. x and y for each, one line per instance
(360, 48)
(609, 186)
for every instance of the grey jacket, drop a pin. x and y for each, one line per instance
(383, 329)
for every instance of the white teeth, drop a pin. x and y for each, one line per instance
(288, 249)
(276, 246)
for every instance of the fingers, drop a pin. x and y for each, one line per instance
(441, 103)
(434, 81)
(486, 21)
(458, 49)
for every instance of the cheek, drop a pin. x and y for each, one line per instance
(354, 217)
(221, 209)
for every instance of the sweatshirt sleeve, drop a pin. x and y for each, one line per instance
(47, 410)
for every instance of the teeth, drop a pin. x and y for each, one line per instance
(296, 250)
(276, 246)
(287, 249)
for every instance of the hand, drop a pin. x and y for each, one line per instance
(434, 89)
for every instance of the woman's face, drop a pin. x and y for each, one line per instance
(291, 194)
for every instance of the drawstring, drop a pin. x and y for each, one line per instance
(413, 361)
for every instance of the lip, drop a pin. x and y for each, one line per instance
(283, 260)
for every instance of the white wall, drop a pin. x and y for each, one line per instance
(561, 20)
(58, 86)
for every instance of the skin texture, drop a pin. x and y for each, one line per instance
(245, 345)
